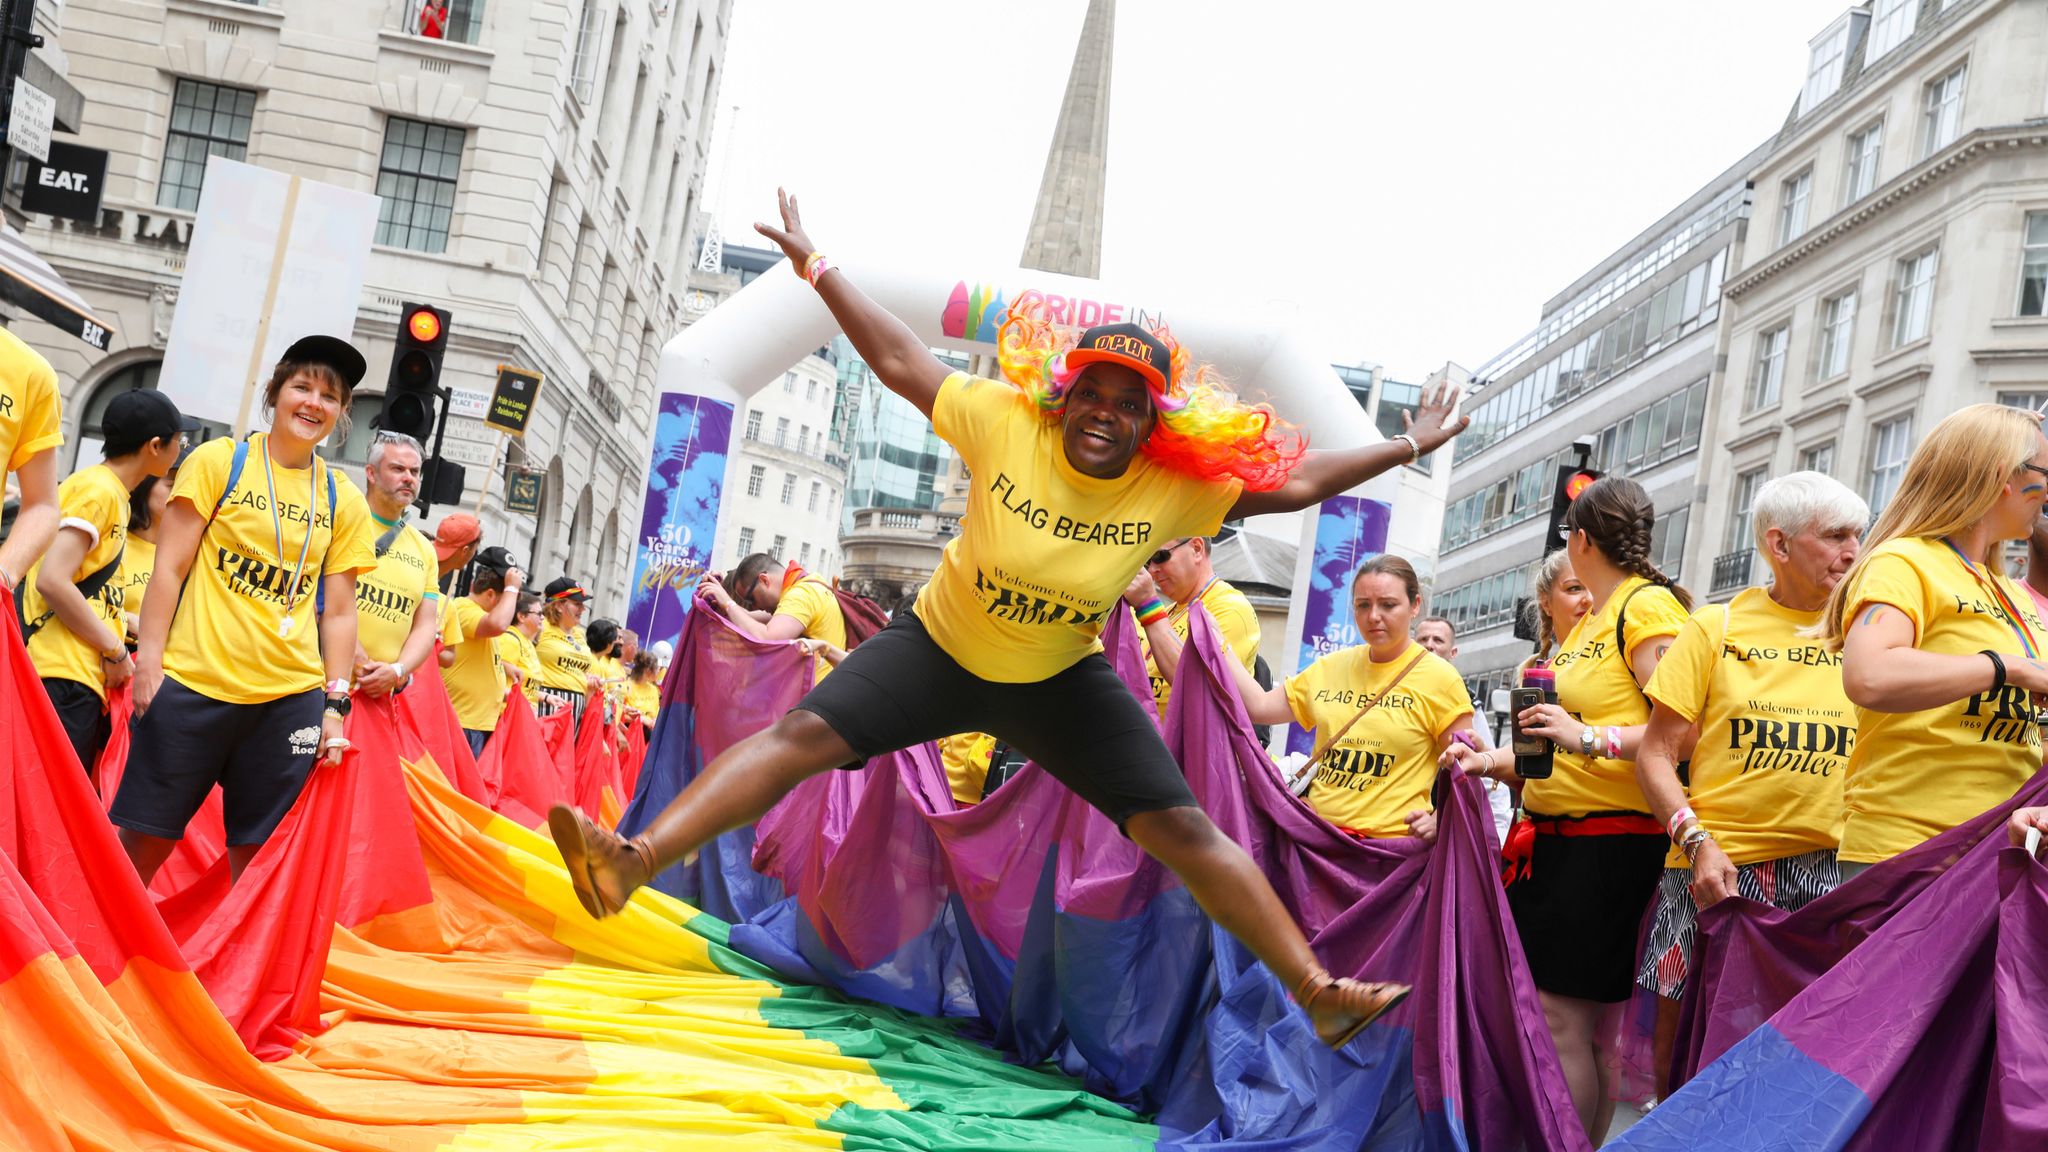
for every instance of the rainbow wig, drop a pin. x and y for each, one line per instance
(1203, 429)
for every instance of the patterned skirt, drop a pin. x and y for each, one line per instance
(1789, 882)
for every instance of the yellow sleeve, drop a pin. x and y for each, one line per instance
(1238, 624)
(1203, 505)
(969, 407)
(1681, 680)
(92, 507)
(1301, 692)
(801, 604)
(353, 546)
(202, 481)
(41, 425)
(1890, 579)
(1654, 613)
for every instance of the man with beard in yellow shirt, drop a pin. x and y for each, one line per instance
(397, 603)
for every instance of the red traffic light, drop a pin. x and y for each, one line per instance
(425, 325)
(1578, 483)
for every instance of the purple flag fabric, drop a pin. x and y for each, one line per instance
(1033, 917)
(1899, 1012)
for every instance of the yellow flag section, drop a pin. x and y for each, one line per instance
(523, 1025)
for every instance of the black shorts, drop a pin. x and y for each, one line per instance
(1580, 911)
(1082, 725)
(84, 716)
(259, 754)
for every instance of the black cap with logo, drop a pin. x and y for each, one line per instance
(1128, 345)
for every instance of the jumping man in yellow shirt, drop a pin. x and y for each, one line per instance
(1076, 482)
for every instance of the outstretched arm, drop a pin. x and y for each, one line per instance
(1323, 474)
(892, 351)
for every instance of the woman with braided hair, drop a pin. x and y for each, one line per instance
(1598, 852)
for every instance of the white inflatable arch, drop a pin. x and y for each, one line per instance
(749, 340)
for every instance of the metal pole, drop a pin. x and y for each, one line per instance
(431, 475)
(17, 26)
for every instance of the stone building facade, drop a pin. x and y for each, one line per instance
(540, 169)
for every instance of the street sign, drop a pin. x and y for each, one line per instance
(67, 184)
(522, 491)
(31, 120)
(274, 257)
(470, 452)
(512, 400)
(468, 402)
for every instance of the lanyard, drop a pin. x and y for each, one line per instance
(2011, 611)
(1184, 609)
(291, 594)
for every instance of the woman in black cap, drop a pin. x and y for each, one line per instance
(265, 541)
(72, 601)
(566, 676)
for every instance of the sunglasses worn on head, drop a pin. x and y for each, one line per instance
(1161, 556)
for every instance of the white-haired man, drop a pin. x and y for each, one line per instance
(398, 603)
(1174, 578)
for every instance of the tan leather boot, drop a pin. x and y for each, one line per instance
(605, 868)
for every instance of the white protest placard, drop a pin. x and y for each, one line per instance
(273, 257)
(30, 122)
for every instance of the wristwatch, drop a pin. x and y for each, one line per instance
(1585, 741)
(339, 705)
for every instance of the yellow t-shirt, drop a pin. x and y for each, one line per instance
(1595, 685)
(810, 602)
(1235, 621)
(29, 411)
(1915, 775)
(565, 663)
(516, 651)
(476, 681)
(1775, 728)
(137, 562)
(389, 595)
(92, 501)
(224, 640)
(644, 697)
(1044, 552)
(966, 759)
(1382, 768)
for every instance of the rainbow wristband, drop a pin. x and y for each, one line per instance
(1152, 612)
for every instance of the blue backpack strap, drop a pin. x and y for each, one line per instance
(235, 465)
(334, 519)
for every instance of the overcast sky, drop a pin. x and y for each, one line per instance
(1416, 179)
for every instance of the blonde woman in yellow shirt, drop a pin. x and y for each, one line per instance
(1941, 650)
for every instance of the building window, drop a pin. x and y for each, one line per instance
(206, 120)
(817, 490)
(1913, 298)
(789, 383)
(1891, 21)
(1819, 458)
(1767, 380)
(1890, 443)
(416, 181)
(753, 425)
(789, 487)
(2034, 266)
(1859, 175)
(756, 476)
(1942, 112)
(781, 545)
(1837, 325)
(810, 390)
(803, 439)
(458, 20)
(1824, 57)
(1667, 542)
(782, 431)
(1794, 197)
(583, 70)
(1747, 485)
(746, 542)
(803, 554)
(2031, 401)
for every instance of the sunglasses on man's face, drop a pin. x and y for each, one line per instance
(1166, 553)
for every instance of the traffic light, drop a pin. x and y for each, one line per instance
(411, 393)
(1570, 482)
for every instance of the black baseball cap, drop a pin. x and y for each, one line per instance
(566, 588)
(496, 559)
(332, 351)
(1129, 345)
(132, 419)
